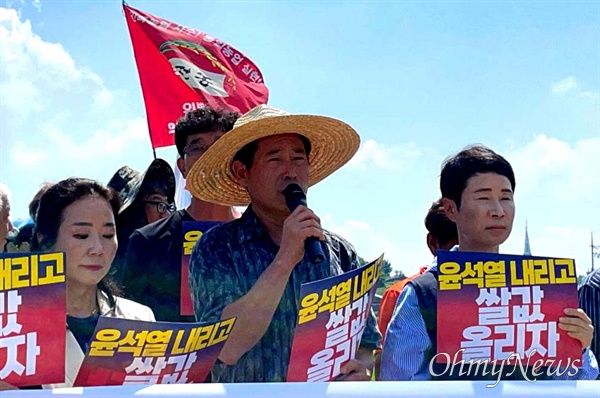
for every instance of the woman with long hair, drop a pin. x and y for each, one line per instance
(77, 216)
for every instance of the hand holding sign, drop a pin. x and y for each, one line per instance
(578, 326)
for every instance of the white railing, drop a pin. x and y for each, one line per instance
(437, 389)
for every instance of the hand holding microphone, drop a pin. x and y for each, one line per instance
(294, 197)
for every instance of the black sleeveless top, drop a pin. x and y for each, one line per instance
(83, 329)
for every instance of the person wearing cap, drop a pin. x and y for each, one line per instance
(252, 268)
(146, 198)
(152, 271)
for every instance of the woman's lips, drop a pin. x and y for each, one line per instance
(92, 267)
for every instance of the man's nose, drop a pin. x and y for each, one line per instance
(496, 209)
(290, 171)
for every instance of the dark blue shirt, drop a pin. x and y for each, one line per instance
(589, 301)
(225, 264)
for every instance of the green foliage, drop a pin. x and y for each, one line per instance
(399, 275)
(386, 270)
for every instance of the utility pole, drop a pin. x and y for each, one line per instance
(595, 250)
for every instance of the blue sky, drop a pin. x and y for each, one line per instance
(417, 80)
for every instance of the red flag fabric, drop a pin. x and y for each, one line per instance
(181, 69)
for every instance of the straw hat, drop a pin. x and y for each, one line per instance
(129, 182)
(333, 144)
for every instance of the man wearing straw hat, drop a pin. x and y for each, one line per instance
(252, 268)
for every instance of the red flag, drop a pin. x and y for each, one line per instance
(181, 68)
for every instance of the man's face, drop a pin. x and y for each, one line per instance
(487, 211)
(279, 161)
(156, 206)
(195, 147)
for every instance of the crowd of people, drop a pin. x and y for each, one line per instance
(123, 245)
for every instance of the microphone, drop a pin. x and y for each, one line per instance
(294, 197)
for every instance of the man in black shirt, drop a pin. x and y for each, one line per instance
(152, 274)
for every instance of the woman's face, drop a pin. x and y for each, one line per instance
(87, 235)
(152, 206)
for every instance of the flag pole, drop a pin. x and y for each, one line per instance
(124, 3)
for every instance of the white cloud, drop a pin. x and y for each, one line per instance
(103, 99)
(12, 3)
(592, 95)
(370, 242)
(559, 171)
(570, 84)
(18, 5)
(115, 139)
(59, 119)
(558, 192)
(34, 72)
(379, 156)
(23, 156)
(564, 86)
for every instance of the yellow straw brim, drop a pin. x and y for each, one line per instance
(333, 145)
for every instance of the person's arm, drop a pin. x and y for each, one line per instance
(587, 371)
(255, 309)
(386, 308)
(406, 342)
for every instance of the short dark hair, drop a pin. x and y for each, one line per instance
(50, 211)
(202, 120)
(33, 205)
(246, 154)
(439, 225)
(474, 159)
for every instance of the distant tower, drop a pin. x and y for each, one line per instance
(527, 251)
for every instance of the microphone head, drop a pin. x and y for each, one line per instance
(294, 196)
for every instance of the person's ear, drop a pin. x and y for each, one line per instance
(450, 209)
(432, 244)
(181, 167)
(240, 173)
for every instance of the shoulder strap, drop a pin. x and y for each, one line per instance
(426, 289)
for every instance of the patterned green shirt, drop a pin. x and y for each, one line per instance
(225, 264)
